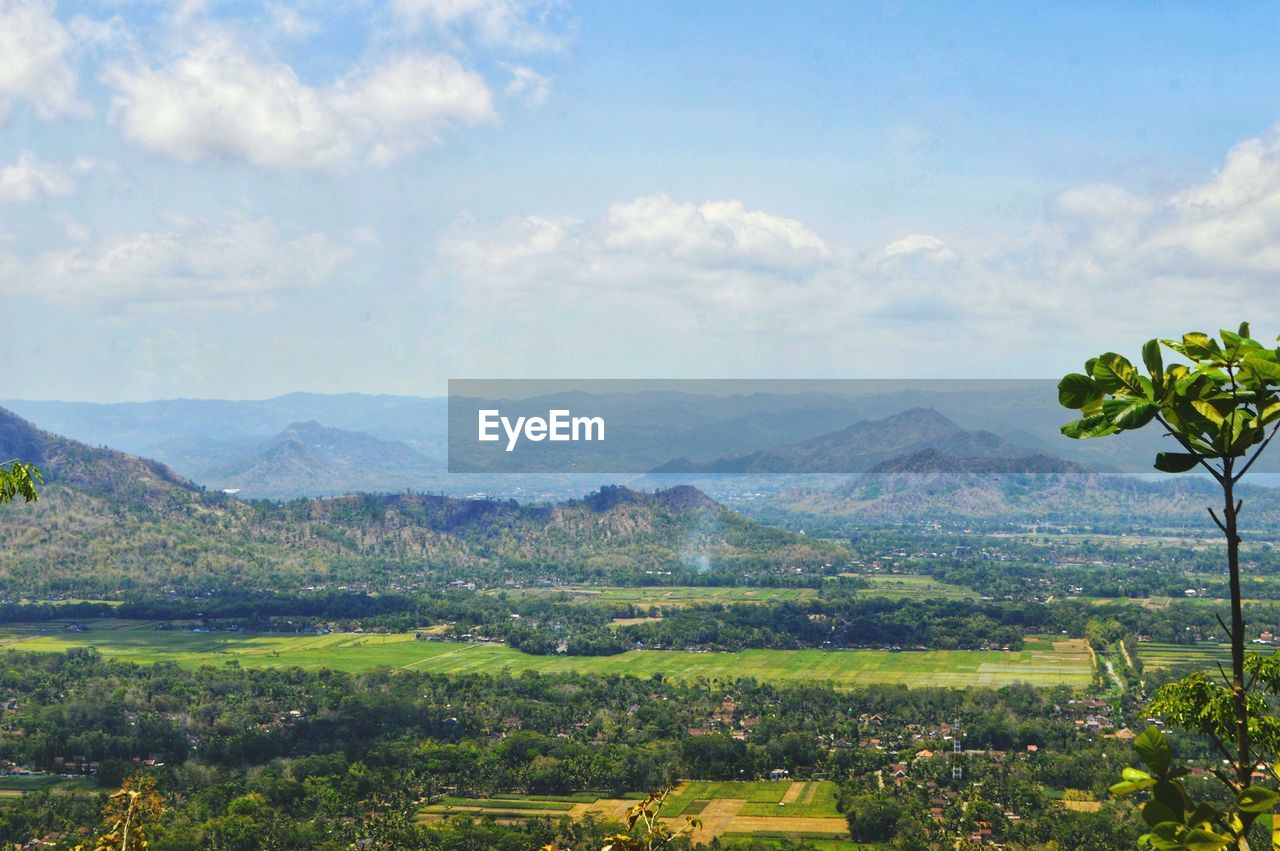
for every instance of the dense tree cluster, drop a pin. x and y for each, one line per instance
(287, 758)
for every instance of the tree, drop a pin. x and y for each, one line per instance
(19, 480)
(1222, 409)
(645, 831)
(126, 815)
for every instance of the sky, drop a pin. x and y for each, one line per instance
(243, 199)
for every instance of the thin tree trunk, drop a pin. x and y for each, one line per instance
(1244, 759)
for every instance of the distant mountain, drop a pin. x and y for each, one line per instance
(187, 426)
(934, 462)
(308, 459)
(108, 522)
(930, 486)
(860, 447)
(647, 428)
(97, 472)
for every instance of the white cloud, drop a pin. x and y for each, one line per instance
(713, 233)
(35, 66)
(751, 290)
(290, 22)
(527, 85)
(524, 25)
(647, 266)
(215, 100)
(31, 178)
(920, 245)
(239, 263)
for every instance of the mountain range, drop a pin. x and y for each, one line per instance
(303, 445)
(861, 446)
(110, 522)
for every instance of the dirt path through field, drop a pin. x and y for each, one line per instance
(765, 824)
(793, 792)
(716, 818)
(415, 662)
(609, 808)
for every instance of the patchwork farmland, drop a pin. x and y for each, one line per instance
(1205, 655)
(764, 809)
(1041, 662)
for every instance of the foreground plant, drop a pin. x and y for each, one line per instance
(645, 831)
(1222, 409)
(19, 480)
(128, 812)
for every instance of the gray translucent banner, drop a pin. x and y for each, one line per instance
(689, 428)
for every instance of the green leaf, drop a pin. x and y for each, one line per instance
(1199, 345)
(1208, 411)
(1171, 796)
(1257, 799)
(1125, 788)
(1134, 780)
(1199, 839)
(1128, 412)
(1154, 812)
(1114, 374)
(1204, 816)
(1152, 360)
(1076, 390)
(1264, 365)
(1096, 425)
(1154, 750)
(1176, 462)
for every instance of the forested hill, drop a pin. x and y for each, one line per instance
(97, 471)
(109, 524)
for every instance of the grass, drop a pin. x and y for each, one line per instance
(763, 792)
(1205, 654)
(731, 810)
(911, 587)
(14, 785)
(1063, 662)
(508, 803)
(672, 596)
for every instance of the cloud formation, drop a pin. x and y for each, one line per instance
(1103, 262)
(523, 25)
(216, 101)
(238, 263)
(31, 178)
(35, 61)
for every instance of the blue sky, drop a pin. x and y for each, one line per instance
(244, 199)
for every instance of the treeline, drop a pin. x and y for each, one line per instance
(276, 759)
(558, 623)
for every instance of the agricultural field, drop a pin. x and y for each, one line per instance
(13, 785)
(1205, 655)
(1042, 662)
(759, 809)
(671, 596)
(912, 587)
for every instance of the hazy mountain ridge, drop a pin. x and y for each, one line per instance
(98, 472)
(107, 520)
(312, 459)
(933, 461)
(862, 446)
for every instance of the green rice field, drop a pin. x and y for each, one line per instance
(912, 587)
(1041, 663)
(671, 596)
(728, 810)
(1203, 655)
